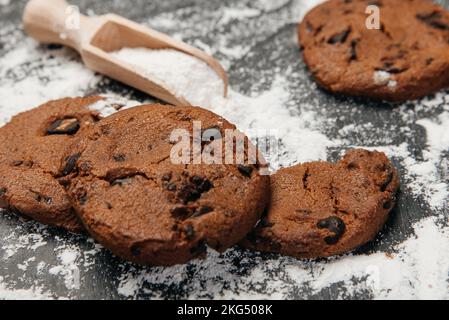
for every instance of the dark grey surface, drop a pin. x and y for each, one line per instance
(271, 52)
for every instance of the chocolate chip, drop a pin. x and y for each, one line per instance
(192, 189)
(108, 205)
(387, 204)
(265, 223)
(189, 232)
(206, 186)
(39, 198)
(245, 170)
(70, 164)
(17, 163)
(188, 193)
(433, 20)
(53, 46)
(383, 30)
(83, 199)
(64, 182)
(392, 69)
(201, 211)
(352, 166)
(197, 180)
(119, 157)
(305, 178)
(3, 191)
(253, 238)
(335, 225)
(179, 212)
(353, 50)
(68, 126)
(339, 37)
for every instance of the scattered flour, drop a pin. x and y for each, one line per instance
(34, 293)
(235, 13)
(417, 271)
(112, 103)
(384, 78)
(68, 267)
(30, 76)
(29, 242)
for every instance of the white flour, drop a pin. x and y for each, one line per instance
(417, 268)
(68, 267)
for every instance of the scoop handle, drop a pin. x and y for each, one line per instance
(55, 21)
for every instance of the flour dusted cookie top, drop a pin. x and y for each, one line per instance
(31, 147)
(408, 57)
(320, 209)
(135, 201)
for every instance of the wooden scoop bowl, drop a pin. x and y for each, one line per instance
(55, 21)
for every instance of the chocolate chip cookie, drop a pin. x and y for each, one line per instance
(136, 199)
(320, 209)
(407, 57)
(33, 143)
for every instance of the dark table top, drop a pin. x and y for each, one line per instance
(256, 42)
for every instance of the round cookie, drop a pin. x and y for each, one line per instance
(320, 209)
(136, 201)
(33, 143)
(406, 58)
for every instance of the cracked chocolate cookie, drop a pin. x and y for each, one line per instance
(407, 57)
(320, 209)
(33, 143)
(136, 200)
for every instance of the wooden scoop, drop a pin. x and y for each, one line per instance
(55, 21)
